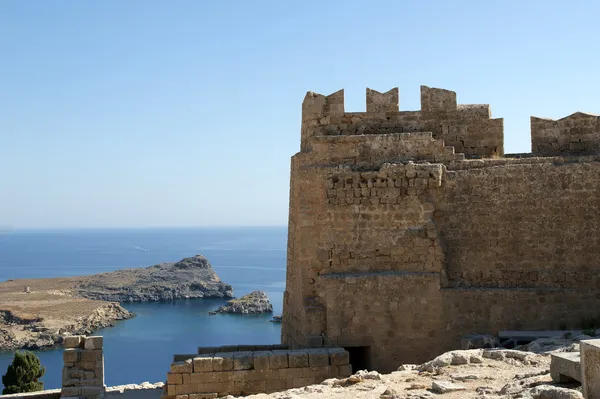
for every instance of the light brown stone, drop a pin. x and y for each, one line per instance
(278, 359)
(203, 364)
(182, 367)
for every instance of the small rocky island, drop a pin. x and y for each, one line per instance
(189, 278)
(254, 303)
(37, 313)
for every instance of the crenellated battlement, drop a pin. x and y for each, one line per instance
(468, 128)
(393, 232)
(576, 134)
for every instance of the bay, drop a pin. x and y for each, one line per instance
(141, 349)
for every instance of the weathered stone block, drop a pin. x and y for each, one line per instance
(95, 342)
(298, 358)
(291, 373)
(186, 389)
(72, 342)
(205, 378)
(261, 360)
(203, 364)
(91, 365)
(278, 359)
(239, 375)
(70, 391)
(223, 362)
(321, 373)
(89, 391)
(243, 361)
(590, 368)
(70, 382)
(253, 386)
(565, 367)
(203, 395)
(338, 356)
(182, 367)
(88, 356)
(258, 375)
(318, 357)
(174, 378)
(71, 355)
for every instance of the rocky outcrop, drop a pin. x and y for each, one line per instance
(50, 309)
(36, 335)
(189, 278)
(253, 303)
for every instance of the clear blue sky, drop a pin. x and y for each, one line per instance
(146, 113)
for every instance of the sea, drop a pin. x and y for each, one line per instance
(141, 349)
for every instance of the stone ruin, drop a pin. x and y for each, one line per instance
(409, 230)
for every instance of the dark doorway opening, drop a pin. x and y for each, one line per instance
(360, 357)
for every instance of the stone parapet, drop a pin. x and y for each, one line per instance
(249, 372)
(83, 371)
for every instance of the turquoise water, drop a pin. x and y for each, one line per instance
(141, 349)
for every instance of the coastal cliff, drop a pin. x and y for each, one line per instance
(37, 313)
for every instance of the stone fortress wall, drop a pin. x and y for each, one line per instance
(411, 229)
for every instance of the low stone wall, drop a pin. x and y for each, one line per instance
(247, 372)
(133, 391)
(48, 394)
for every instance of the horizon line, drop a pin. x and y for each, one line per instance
(12, 229)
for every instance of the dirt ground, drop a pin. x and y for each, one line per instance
(49, 299)
(47, 312)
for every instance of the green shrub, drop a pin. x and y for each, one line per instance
(23, 374)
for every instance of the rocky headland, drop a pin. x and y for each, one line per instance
(38, 313)
(254, 303)
(189, 278)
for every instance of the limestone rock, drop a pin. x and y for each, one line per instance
(452, 358)
(506, 354)
(552, 392)
(445, 387)
(253, 303)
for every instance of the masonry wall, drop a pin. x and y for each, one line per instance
(469, 128)
(404, 242)
(575, 134)
(522, 225)
(211, 375)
